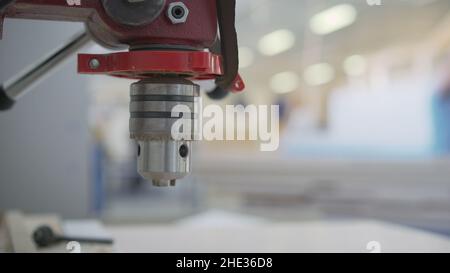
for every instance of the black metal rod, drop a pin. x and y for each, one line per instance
(105, 241)
(15, 88)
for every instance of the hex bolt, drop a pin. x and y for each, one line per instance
(177, 12)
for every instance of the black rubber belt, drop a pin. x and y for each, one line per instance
(226, 12)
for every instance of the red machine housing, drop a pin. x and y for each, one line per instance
(186, 43)
(199, 31)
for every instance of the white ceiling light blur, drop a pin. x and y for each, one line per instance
(246, 57)
(276, 42)
(333, 19)
(285, 82)
(355, 66)
(319, 74)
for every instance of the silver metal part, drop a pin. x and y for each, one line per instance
(94, 63)
(20, 85)
(177, 12)
(162, 159)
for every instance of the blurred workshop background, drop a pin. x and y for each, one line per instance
(364, 92)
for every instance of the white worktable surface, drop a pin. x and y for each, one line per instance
(221, 232)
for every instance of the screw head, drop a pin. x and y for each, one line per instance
(177, 12)
(94, 63)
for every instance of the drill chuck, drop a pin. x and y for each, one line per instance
(162, 158)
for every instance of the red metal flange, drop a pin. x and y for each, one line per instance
(195, 65)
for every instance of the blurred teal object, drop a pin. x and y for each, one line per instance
(441, 122)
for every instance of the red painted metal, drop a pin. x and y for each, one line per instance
(238, 85)
(198, 65)
(200, 29)
(195, 65)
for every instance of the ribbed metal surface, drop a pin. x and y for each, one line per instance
(162, 159)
